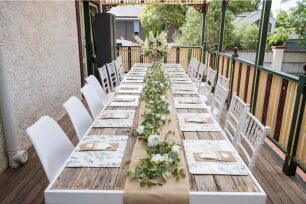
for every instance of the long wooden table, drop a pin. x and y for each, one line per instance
(106, 185)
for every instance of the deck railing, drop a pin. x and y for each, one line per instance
(178, 54)
(277, 99)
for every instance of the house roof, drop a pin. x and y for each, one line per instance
(126, 12)
(249, 17)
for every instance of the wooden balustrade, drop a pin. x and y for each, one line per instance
(181, 55)
(279, 102)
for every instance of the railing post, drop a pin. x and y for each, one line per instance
(289, 166)
(129, 58)
(234, 56)
(222, 23)
(177, 55)
(204, 11)
(261, 46)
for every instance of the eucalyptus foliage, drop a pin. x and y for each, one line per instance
(162, 160)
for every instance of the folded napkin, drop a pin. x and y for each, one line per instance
(212, 156)
(190, 101)
(196, 120)
(124, 99)
(128, 88)
(91, 146)
(114, 116)
(180, 79)
(183, 89)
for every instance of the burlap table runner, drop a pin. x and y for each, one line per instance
(173, 191)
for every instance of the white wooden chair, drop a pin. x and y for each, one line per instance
(218, 101)
(250, 138)
(225, 82)
(200, 75)
(92, 99)
(119, 68)
(80, 118)
(104, 79)
(206, 89)
(234, 114)
(112, 75)
(105, 98)
(193, 68)
(51, 144)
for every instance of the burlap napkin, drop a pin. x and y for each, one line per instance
(90, 146)
(198, 120)
(124, 99)
(114, 116)
(221, 156)
(190, 101)
(128, 88)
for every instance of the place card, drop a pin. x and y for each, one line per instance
(213, 157)
(96, 153)
(200, 122)
(115, 118)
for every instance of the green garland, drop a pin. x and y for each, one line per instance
(162, 161)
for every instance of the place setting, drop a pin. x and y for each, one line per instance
(125, 100)
(132, 89)
(189, 102)
(180, 80)
(98, 151)
(201, 122)
(115, 118)
(137, 74)
(213, 157)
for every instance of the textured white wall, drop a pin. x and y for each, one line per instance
(3, 160)
(41, 54)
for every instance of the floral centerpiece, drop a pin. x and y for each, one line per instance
(155, 45)
(162, 160)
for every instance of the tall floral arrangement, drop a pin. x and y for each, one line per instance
(155, 44)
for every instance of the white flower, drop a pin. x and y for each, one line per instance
(140, 129)
(153, 140)
(157, 158)
(163, 98)
(163, 117)
(161, 85)
(169, 108)
(175, 149)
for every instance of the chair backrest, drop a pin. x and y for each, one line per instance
(193, 68)
(225, 82)
(104, 79)
(119, 68)
(51, 144)
(94, 104)
(201, 71)
(112, 75)
(234, 114)
(92, 80)
(80, 118)
(210, 79)
(218, 101)
(251, 138)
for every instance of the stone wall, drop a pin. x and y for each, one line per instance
(41, 55)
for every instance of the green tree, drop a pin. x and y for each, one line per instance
(297, 20)
(213, 19)
(188, 34)
(249, 37)
(158, 15)
(281, 19)
(279, 38)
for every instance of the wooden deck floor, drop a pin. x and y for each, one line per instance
(27, 183)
